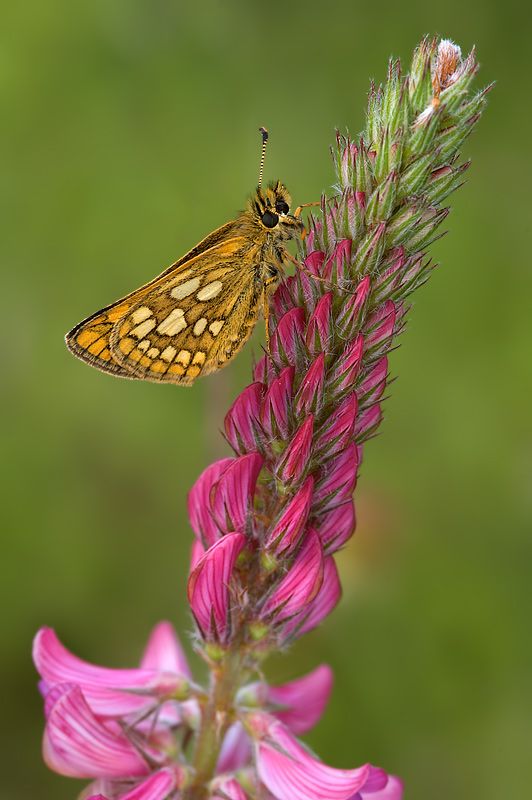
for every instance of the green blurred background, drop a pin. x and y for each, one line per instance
(130, 131)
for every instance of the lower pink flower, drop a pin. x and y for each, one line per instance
(290, 772)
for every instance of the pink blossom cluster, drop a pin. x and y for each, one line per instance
(125, 730)
(269, 519)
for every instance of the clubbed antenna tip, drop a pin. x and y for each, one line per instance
(263, 131)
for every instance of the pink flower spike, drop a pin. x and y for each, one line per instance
(339, 428)
(209, 586)
(105, 690)
(199, 502)
(232, 499)
(302, 702)
(297, 455)
(158, 786)
(242, 425)
(285, 534)
(164, 652)
(336, 526)
(319, 328)
(368, 422)
(338, 479)
(322, 605)
(372, 387)
(309, 394)
(288, 338)
(78, 745)
(276, 404)
(301, 583)
(290, 772)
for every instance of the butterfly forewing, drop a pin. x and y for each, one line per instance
(190, 320)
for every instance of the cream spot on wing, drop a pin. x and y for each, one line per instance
(174, 322)
(199, 327)
(216, 326)
(144, 345)
(184, 289)
(183, 357)
(209, 291)
(145, 327)
(168, 353)
(140, 314)
(153, 352)
(199, 359)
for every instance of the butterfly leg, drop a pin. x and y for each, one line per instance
(271, 281)
(266, 313)
(299, 209)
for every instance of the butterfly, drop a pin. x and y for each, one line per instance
(194, 318)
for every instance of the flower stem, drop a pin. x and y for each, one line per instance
(216, 716)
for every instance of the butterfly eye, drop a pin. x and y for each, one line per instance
(269, 219)
(282, 207)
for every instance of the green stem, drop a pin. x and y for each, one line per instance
(216, 716)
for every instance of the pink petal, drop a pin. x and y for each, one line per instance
(242, 421)
(228, 789)
(286, 532)
(380, 326)
(348, 365)
(196, 552)
(373, 385)
(276, 404)
(232, 501)
(393, 790)
(291, 773)
(235, 752)
(322, 605)
(337, 479)
(351, 313)
(297, 454)
(164, 652)
(105, 690)
(287, 340)
(319, 328)
(303, 700)
(338, 430)
(208, 585)
(336, 526)
(309, 394)
(76, 744)
(301, 583)
(157, 787)
(199, 502)
(368, 422)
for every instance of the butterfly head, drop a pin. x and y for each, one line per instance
(270, 206)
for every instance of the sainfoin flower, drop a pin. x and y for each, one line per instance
(269, 519)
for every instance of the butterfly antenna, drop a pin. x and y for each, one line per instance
(265, 135)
